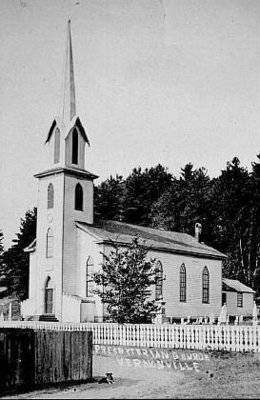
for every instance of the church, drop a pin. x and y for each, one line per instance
(69, 244)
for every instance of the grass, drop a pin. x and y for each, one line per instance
(226, 375)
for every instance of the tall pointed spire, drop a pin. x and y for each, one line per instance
(69, 100)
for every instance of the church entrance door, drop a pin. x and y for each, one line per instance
(48, 306)
(49, 301)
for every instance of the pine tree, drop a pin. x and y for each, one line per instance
(233, 221)
(108, 199)
(125, 284)
(3, 288)
(16, 261)
(142, 189)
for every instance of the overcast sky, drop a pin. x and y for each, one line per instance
(157, 81)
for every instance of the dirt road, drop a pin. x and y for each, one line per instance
(230, 376)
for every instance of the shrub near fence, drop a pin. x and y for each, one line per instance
(33, 358)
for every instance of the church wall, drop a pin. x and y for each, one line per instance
(171, 286)
(87, 247)
(70, 262)
(194, 268)
(32, 275)
(49, 218)
(70, 308)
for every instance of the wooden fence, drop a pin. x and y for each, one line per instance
(33, 358)
(199, 337)
(16, 359)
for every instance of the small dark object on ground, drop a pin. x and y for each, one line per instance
(107, 379)
(210, 374)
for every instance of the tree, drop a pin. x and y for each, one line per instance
(233, 221)
(125, 284)
(256, 218)
(108, 199)
(130, 200)
(3, 288)
(184, 203)
(16, 261)
(142, 189)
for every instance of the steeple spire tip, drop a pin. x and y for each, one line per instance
(69, 101)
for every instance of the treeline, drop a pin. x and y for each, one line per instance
(228, 207)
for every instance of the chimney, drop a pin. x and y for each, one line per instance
(197, 231)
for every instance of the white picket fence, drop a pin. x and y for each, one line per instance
(199, 337)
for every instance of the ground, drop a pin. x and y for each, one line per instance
(222, 375)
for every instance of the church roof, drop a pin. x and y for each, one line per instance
(234, 285)
(156, 239)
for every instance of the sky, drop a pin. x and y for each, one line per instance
(157, 81)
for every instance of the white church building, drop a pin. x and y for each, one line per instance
(68, 244)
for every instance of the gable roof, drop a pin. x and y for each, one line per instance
(234, 285)
(156, 239)
(75, 122)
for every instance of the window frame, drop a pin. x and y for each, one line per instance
(50, 196)
(183, 284)
(89, 282)
(205, 286)
(78, 197)
(75, 147)
(56, 157)
(49, 243)
(240, 299)
(159, 284)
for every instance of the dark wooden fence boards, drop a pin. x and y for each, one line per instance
(62, 356)
(16, 359)
(30, 359)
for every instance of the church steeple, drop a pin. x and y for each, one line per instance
(67, 137)
(69, 100)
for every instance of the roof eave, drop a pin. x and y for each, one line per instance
(166, 250)
(85, 229)
(69, 171)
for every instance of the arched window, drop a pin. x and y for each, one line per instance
(75, 147)
(183, 283)
(78, 197)
(89, 277)
(50, 200)
(57, 146)
(159, 284)
(49, 243)
(205, 285)
(48, 294)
